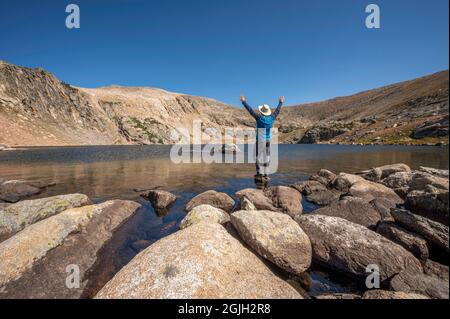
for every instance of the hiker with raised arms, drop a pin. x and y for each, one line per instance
(264, 123)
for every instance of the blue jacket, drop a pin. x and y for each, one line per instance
(263, 121)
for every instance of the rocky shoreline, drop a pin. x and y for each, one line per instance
(249, 245)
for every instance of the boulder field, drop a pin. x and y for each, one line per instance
(259, 243)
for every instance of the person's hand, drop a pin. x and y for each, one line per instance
(281, 99)
(243, 98)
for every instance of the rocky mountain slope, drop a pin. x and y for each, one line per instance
(36, 108)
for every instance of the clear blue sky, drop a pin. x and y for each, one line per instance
(305, 50)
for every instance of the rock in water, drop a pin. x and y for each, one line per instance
(160, 199)
(430, 286)
(323, 176)
(287, 199)
(213, 198)
(17, 216)
(352, 209)
(198, 262)
(432, 231)
(316, 192)
(257, 197)
(205, 213)
(385, 294)
(350, 248)
(344, 181)
(12, 191)
(276, 237)
(33, 262)
(414, 243)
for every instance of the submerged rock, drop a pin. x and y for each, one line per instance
(33, 263)
(286, 199)
(213, 198)
(432, 231)
(414, 243)
(201, 261)
(160, 199)
(205, 213)
(276, 237)
(17, 216)
(12, 191)
(350, 248)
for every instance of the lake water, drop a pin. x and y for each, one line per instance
(111, 172)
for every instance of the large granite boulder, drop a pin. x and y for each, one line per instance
(344, 181)
(352, 209)
(213, 198)
(369, 191)
(17, 216)
(357, 186)
(378, 173)
(431, 203)
(436, 269)
(276, 237)
(316, 192)
(412, 242)
(351, 248)
(443, 173)
(246, 204)
(33, 263)
(205, 213)
(286, 199)
(324, 177)
(423, 284)
(435, 233)
(198, 262)
(258, 198)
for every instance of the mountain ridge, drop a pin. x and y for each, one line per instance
(38, 109)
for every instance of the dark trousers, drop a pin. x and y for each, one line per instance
(262, 157)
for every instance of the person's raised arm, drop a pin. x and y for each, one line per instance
(280, 104)
(248, 107)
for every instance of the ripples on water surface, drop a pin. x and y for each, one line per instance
(107, 172)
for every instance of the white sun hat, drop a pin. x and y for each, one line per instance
(265, 109)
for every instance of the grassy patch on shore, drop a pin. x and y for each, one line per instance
(402, 139)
